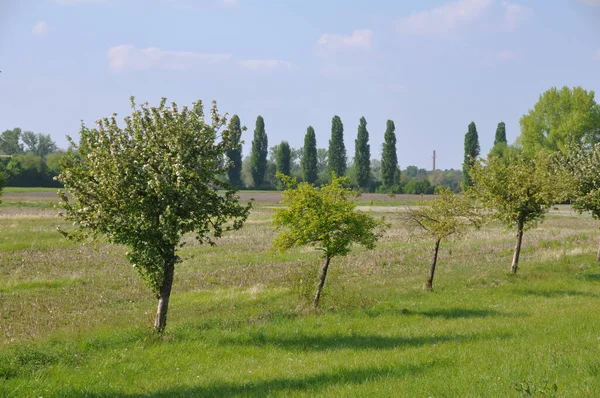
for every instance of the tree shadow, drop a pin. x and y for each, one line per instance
(592, 277)
(445, 313)
(554, 293)
(353, 341)
(261, 388)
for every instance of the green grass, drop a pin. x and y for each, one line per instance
(28, 189)
(75, 319)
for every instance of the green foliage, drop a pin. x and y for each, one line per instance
(559, 119)
(148, 184)
(309, 157)
(258, 154)
(471, 152)
(362, 156)
(10, 142)
(389, 157)
(283, 160)
(500, 134)
(325, 218)
(516, 189)
(419, 187)
(336, 162)
(582, 167)
(234, 154)
(38, 144)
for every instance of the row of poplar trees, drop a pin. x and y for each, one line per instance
(337, 162)
(472, 149)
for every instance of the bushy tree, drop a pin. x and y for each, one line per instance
(471, 152)
(259, 152)
(362, 156)
(234, 154)
(389, 157)
(38, 144)
(147, 184)
(309, 157)
(283, 161)
(559, 119)
(337, 150)
(517, 190)
(10, 141)
(441, 218)
(325, 218)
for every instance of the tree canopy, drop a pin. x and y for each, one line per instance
(472, 150)
(389, 157)
(336, 161)
(234, 154)
(258, 155)
(362, 156)
(309, 157)
(149, 183)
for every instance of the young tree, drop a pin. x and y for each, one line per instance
(325, 218)
(561, 118)
(258, 155)
(146, 185)
(283, 159)
(309, 157)
(337, 151)
(234, 154)
(441, 218)
(389, 157)
(362, 156)
(517, 190)
(471, 152)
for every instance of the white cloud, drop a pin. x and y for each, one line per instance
(40, 29)
(329, 44)
(76, 2)
(591, 3)
(265, 64)
(514, 15)
(444, 19)
(506, 55)
(128, 57)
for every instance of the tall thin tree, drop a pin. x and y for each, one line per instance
(234, 154)
(471, 152)
(500, 134)
(283, 158)
(309, 157)
(389, 157)
(258, 155)
(362, 155)
(337, 151)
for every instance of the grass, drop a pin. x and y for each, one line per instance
(75, 319)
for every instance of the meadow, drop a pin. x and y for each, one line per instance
(75, 319)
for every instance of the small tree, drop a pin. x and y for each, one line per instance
(362, 156)
(441, 218)
(259, 152)
(234, 154)
(517, 190)
(471, 152)
(389, 157)
(325, 218)
(148, 184)
(336, 161)
(309, 157)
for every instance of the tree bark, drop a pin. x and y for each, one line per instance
(515, 262)
(598, 255)
(429, 282)
(321, 282)
(160, 322)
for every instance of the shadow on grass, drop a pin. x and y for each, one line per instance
(282, 385)
(445, 313)
(592, 277)
(354, 342)
(554, 293)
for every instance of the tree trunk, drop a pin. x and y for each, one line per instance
(321, 283)
(598, 255)
(515, 262)
(429, 282)
(160, 322)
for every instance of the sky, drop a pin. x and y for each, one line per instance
(430, 66)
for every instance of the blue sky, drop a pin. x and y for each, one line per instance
(431, 66)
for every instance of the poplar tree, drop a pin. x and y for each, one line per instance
(283, 158)
(362, 155)
(258, 155)
(389, 157)
(309, 157)
(234, 154)
(337, 150)
(500, 134)
(471, 152)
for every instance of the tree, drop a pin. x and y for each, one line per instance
(471, 152)
(337, 151)
(234, 154)
(283, 159)
(517, 190)
(259, 152)
(561, 118)
(3, 178)
(362, 156)
(582, 167)
(146, 185)
(441, 218)
(325, 218)
(389, 157)
(10, 142)
(309, 156)
(500, 134)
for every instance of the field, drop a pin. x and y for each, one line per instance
(75, 318)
